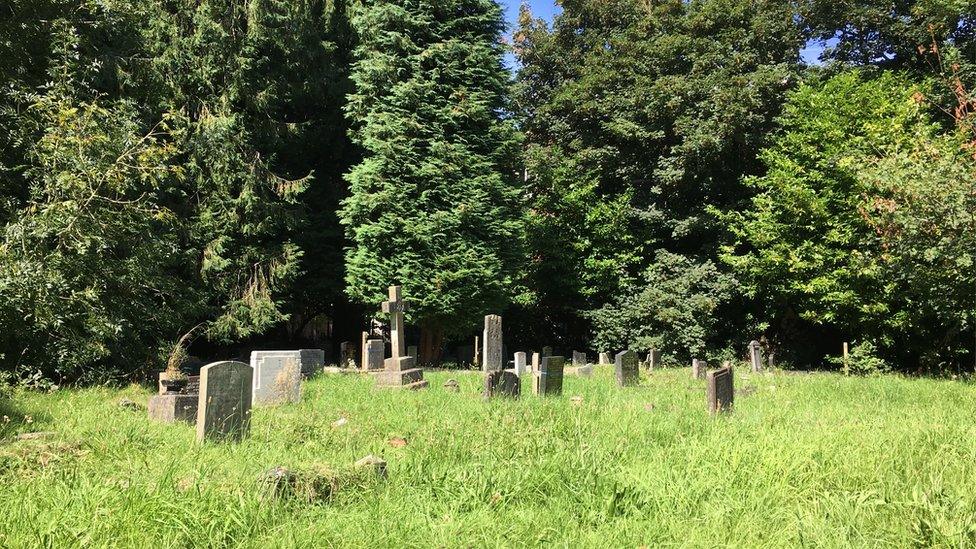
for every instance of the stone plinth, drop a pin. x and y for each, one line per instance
(173, 408)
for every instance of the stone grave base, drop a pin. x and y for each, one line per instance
(173, 408)
(404, 379)
(502, 383)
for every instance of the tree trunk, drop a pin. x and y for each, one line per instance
(431, 345)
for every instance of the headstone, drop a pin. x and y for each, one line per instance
(698, 368)
(653, 359)
(395, 307)
(755, 356)
(536, 361)
(493, 358)
(584, 371)
(546, 351)
(549, 379)
(173, 408)
(375, 351)
(502, 383)
(720, 392)
(847, 367)
(277, 377)
(362, 352)
(477, 352)
(224, 404)
(579, 359)
(405, 375)
(605, 358)
(347, 355)
(412, 351)
(627, 368)
(521, 367)
(310, 361)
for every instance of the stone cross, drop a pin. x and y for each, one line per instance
(604, 358)
(720, 392)
(698, 368)
(521, 367)
(493, 357)
(395, 307)
(224, 405)
(627, 369)
(549, 379)
(755, 356)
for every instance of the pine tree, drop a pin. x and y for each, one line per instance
(433, 206)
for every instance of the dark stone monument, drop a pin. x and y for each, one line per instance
(720, 392)
(549, 379)
(492, 340)
(698, 368)
(224, 404)
(755, 356)
(653, 359)
(504, 383)
(628, 369)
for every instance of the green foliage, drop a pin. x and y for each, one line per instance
(862, 359)
(434, 205)
(676, 307)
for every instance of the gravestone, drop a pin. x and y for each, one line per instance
(493, 358)
(549, 379)
(362, 352)
(347, 355)
(310, 361)
(412, 351)
(277, 378)
(627, 369)
(579, 359)
(536, 361)
(653, 359)
(375, 351)
(504, 383)
(405, 375)
(224, 403)
(546, 351)
(720, 392)
(521, 367)
(477, 352)
(605, 358)
(395, 307)
(698, 368)
(755, 356)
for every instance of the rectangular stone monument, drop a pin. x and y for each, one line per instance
(549, 379)
(653, 359)
(521, 366)
(224, 403)
(173, 408)
(505, 383)
(412, 351)
(347, 355)
(362, 352)
(627, 369)
(698, 368)
(477, 352)
(406, 375)
(310, 361)
(375, 353)
(605, 358)
(536, 361)
(277, 377)
(579, 359)
(720, 392)
(755, 356)
(492, 340)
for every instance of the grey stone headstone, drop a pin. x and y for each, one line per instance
(721, 390)
(605, 358)
(755, 356)
(698, 368)
(310, 361)
(549, 379)
(627, 369)
(579, 359)
(277, 377)
(504, 383)
(375, 352)
(493, 355)
(536, 361)
(653, 359)
(412, 351)
(521, 366)
(224, 403)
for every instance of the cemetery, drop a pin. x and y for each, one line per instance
(487, 273)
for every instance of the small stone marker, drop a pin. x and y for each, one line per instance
(521, 367)
(173, 408)
(277, 377)
(347, 355)
(224, 404)
(653, 359)
(698, 368)
(549, 379)
(502, 383)
(579, 359)
(477, 352)
(536, 361)
(605, 358)
(362, 352)
(755, 356)
(627, 369)
(721, 391)
(375, 351)
(493, 357)
(847, 367)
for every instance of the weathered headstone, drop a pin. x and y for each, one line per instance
(395, 307)
(605, 358)
(277, 377)
(493, 358)
(362, 352)
(521, 366)
(549, 379)
(477, 352)
(536, 361)
(504, 383)
(375, 351)
(627, 369)
(755, 356)
(347, 355)
(720, 392)
(412, 351)
(698, 368)
(579, 359)
(224, 403)
(653, 359)
(310, 361)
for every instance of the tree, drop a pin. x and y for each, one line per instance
(434, 205)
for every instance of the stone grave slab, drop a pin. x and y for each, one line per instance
(548, 381)
(579, 359)
(375, 351)
(627, 369)
(698, 368)
(721, 391)
(173, 408)
(224, 403)
(605, 358)
(521, 364)
(405, 376)
(277, 378)
(493, 359)
(502, 383)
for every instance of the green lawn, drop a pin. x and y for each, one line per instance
(814, 460)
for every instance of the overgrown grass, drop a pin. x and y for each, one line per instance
(805, 460)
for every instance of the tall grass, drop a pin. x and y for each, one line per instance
(805, 460)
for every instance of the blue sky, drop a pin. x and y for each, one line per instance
(548, 8)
